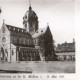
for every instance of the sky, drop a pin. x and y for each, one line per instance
(59, 14)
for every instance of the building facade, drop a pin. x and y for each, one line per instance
(23, 44)
(66, 51)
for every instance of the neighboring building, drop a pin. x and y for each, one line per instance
(23, 44)
(66, 51)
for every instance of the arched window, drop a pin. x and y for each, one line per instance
(3, 30)
(3, 39)
(12, 52)
(2, 53)
(21, 41)
(17, 41)
(26, 41)
(29, 41)
(35, 41)
(6, 52)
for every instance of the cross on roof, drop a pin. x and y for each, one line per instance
(29, 2)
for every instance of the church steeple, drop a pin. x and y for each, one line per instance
(3, 21)
(30, 5)
(47, 24)
(30, 20)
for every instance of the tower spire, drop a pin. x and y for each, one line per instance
(3, 21)
(47, 24)
(30, 5)
(29, 2)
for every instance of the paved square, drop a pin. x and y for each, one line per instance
(40, 67)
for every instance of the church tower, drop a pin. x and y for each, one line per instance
(30, 20)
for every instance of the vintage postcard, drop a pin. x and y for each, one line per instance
(37, 39)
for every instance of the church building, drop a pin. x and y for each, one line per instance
(23, 44)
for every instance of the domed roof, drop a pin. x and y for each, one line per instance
(30, 14)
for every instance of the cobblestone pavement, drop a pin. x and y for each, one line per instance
(38, 67)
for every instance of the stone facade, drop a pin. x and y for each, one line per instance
(12, 37)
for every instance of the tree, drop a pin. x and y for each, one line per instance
(49, 46)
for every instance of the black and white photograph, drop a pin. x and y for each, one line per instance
(37, 36)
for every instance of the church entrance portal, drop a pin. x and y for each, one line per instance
(3, 54)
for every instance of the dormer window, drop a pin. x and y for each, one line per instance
(18, 29)
(9, 27)
(22, 30)
(14, 28)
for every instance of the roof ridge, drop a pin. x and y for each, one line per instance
(14, 26)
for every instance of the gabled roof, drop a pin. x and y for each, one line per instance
(17, 29)
(39, 32)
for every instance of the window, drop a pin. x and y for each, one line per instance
(26, 42)
(29, 41)
(35, 41)
(18, 41)
(22, 30)
(14, 28)
(3, 29)
(26, 16)
(21, 41)
(18, 29)
(3, 39)
(9, 27)
(41, 30)
(12, 52)
(6, 54)
(12, 39)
